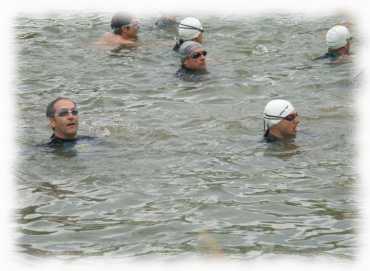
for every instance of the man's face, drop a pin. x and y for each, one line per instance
(197, 60)
(65, 119)
(132, 29)
(288, 126)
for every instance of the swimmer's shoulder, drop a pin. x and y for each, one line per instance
(110, 39)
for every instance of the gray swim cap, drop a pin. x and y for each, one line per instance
(187, 48)
(119, 20)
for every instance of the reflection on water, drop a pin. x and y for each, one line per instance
(179, 168)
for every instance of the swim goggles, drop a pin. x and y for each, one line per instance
(290, 117)
(185, 26)
(65, 112)
(198, 54)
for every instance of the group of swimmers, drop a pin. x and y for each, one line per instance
(280, 117)
(125, 28)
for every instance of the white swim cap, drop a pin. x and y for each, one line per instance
(275, 111)
(189, 28)
(337, 37)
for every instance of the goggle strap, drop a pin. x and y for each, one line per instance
(190, 27)
(271, 117)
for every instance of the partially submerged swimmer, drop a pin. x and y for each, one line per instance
(166, 22)
(338, 41)
(124, 31)
(63, 119)
(280, 121)
(189, 29)
(193, 61)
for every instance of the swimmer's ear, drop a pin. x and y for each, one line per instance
(52, 123)
(127, 27)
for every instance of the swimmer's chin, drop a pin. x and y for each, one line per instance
(203, 68)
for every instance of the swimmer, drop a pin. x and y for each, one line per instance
(280, 121)
(124, 31)
(166, 22)
(338, 41)
(193, 61)
(189, 29)
(63, 119)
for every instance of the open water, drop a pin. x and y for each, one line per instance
(179, 168)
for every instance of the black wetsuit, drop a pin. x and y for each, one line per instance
(191, 75)
(268, 137)
(178, 44)
(57, 142)
(331, 55)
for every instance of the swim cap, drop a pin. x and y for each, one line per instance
(119, 20)
(337, 37)
(187, 48)
(276, 110)
(189, 28)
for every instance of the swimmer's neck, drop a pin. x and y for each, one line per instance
(275, 133)
(194, 70)
(64, 137)
(341, 51)
(125, 37)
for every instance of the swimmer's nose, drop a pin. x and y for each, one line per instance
(297, 120)
(71, 116)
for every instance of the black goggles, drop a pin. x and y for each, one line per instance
(185, 26)
(65, 112)
(290, 117)
(198, 54)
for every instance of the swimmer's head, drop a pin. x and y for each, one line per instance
(190, 28)
(193, 56)
(187, 48)
(280, 120)
(120, 20)
(50, 109)
(63, 117)
(275, 111)
(337, 37)
(166, 22)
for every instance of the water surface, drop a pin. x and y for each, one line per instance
(178, 162)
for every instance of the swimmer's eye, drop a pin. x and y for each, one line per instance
(291, 117)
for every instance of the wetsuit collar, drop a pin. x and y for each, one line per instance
(54, 137)
(269, 137)
(193, 71)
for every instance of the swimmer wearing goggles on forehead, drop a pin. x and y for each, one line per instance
(280, 120)
(124, 30)
(63, 119)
